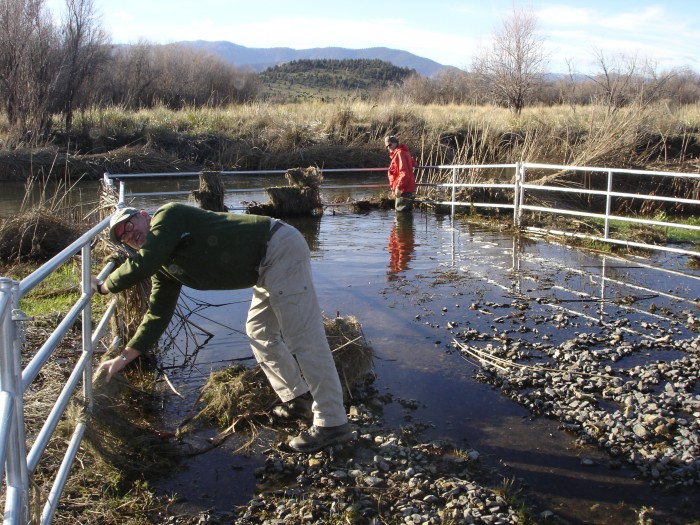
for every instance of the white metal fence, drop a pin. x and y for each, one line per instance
(524, 194)
(21, 461)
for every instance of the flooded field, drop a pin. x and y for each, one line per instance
(422, 286)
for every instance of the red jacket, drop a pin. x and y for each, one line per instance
(401, 170)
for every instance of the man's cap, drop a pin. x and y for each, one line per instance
(391, 139)
(121, 215)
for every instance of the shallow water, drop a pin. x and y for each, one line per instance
(413, 283)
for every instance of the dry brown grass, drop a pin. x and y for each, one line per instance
(239, 398)
(35, 236)
(349, 134)
(106, 482)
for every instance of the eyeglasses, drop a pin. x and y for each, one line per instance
(128, 227)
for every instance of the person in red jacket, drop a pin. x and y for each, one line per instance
(401, 180)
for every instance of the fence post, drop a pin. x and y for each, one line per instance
(454, 190)
(516, 196)
(521, 192)
(86, 274)
(16, 476)
(608, 205)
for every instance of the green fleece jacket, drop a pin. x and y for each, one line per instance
(192, 247)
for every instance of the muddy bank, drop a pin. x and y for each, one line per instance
(190, 156)
(144, 147)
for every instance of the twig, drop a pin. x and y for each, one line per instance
(493, 360)
(165, 376)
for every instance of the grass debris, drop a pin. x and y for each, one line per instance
(239, 397)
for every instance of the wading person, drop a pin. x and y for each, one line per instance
(183, 245)
(401, 179)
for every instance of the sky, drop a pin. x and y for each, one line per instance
(451, 32)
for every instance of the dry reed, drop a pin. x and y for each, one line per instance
(240, 398)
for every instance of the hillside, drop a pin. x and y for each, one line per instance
(326, 78)
(260, 59)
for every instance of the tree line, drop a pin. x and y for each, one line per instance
(511, 72)
(366, 76)
(50, 69)
(368, 71)
(54, 68)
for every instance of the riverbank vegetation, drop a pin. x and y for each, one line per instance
(73, 103)
(349, 134)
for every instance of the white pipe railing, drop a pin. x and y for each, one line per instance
(608, 215)
(15, 381)
(521, 191)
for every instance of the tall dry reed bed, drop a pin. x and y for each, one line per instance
(477, 133)
(336, 135)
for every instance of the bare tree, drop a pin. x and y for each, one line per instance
(514, 64)
(28, 46)
(625, 79)
(144, 75)
(684, 87)
(84, 51)
(615, 79)
(129, 78)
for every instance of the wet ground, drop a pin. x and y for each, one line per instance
(414, 283)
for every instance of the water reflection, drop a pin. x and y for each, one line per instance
(401, 244)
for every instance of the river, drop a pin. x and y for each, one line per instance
(410, 281)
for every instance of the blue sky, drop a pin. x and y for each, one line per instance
(450, 32)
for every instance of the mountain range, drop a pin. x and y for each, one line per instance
(259, 59)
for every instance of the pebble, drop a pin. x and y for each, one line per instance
(644, 415)
(383, 477)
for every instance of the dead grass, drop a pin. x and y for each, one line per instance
(349, 133)
(238, 398)
(35, 236)
(119, 449)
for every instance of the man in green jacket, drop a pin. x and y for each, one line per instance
(183, 245)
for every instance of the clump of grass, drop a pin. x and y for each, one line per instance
(241, 398)
(35, 236)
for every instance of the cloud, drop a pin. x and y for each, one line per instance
(650, 32)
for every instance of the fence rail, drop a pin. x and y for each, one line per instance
(523, 194)
(20, 462)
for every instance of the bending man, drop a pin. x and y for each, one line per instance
(183, 245)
